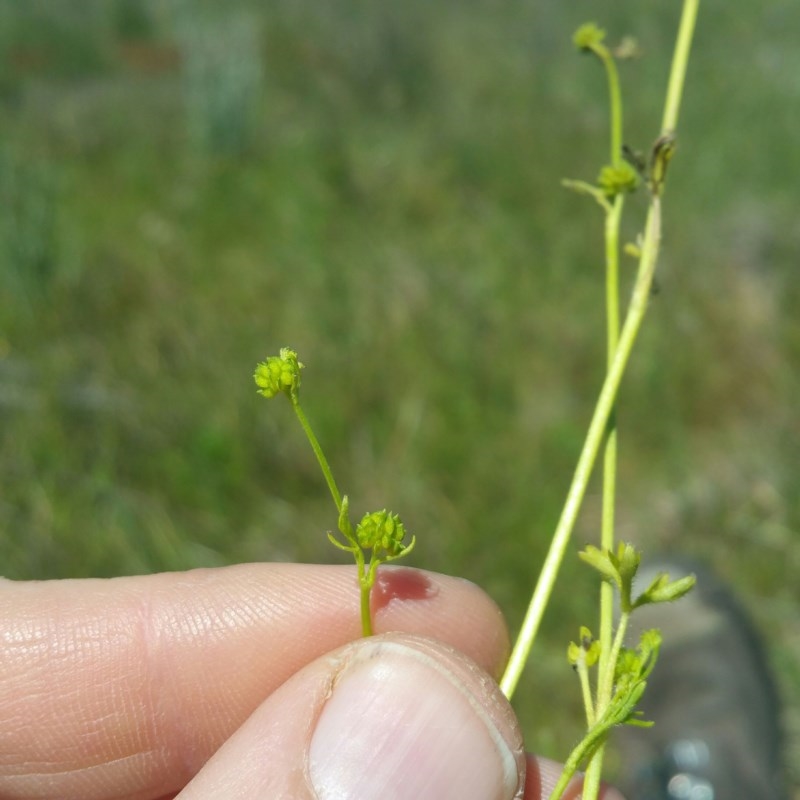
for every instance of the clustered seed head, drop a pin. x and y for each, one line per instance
(381, 530)
(279, 374)
(616, 180)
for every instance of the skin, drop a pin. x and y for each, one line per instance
(130, 688)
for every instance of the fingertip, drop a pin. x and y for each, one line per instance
(451, 609)
(394, 717)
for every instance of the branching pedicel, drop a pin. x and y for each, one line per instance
(379, 536)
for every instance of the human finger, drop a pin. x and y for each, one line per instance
(123, 688)
(393, 717)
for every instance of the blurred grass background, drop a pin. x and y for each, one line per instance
(186, 187)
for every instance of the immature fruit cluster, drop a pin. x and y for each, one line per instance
(279, 374)
(381, 531)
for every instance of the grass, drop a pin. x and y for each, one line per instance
(388, 203)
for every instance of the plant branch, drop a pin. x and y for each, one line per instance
(588, 456)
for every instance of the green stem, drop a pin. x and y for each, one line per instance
(610, 455)
(606, 663)
(594, 737)
(323, 462)
(680, 61)
(366, 616)
(607, 686)
(612, 226)
(586, 691)
(594, 439)
(615, 103)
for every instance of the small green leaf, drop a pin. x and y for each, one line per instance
(649, 645)
(582, 187)
(600, 560)
(663, 590)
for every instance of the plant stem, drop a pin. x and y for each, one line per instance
(323, 462)
(366, 616)
(586, 691)
(606, 663)
(605, 403)
(615, 104)
(591, 447)
(611, 231)
(680, 60)
(608, 658)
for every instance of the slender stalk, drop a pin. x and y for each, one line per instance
(366, 616)
(610, 454)
(615, 104)
(608, 658)
(323, 462)
(591, 448)
(605, 403)
(586, 691)
(680, 61)
(606, 661)
(575, 759)
(613, 217)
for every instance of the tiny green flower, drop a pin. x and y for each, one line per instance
(383, 533)
(587, 649)
(619, 179)
(588, 36)
(279, 374)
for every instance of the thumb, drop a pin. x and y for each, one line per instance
(391, 717)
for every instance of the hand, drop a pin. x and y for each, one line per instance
(252, 682)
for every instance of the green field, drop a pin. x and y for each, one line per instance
(376, 184)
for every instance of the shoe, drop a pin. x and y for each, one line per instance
(711, 697)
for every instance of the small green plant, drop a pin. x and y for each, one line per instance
(621, 686)
(379, 536)
(621, 672)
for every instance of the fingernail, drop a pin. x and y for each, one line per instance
(399, 724)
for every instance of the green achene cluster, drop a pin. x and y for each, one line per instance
(380, 535)
(279, 374)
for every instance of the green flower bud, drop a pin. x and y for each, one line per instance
(587, 649)
(588, 36)
(279, 374)
(382, 532)
(616, 180)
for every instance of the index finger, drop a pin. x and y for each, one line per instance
(123, 688)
